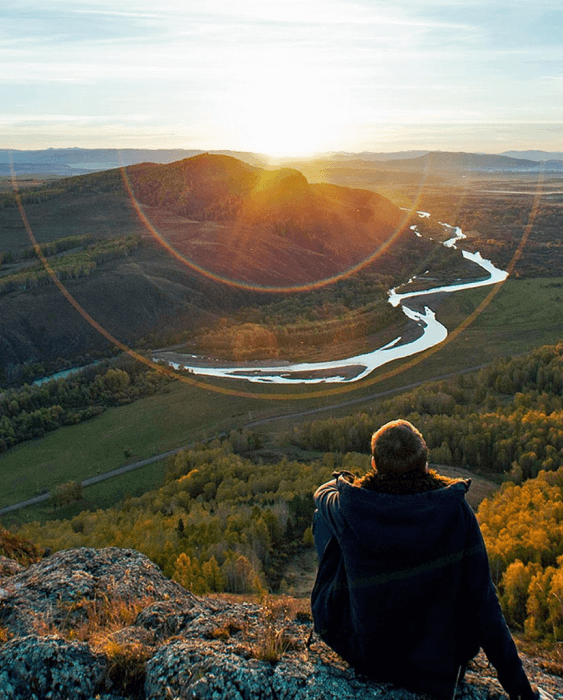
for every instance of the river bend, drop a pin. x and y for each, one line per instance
(351, 369)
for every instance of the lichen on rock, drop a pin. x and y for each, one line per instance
(107, 625)
(49, 667)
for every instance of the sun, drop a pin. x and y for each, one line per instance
(282, 135)
(286, 111)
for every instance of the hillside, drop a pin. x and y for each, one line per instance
(270, 228)
(213, 217)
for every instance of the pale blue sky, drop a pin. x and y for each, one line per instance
(285, 77)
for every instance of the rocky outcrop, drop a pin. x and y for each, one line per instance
(107, 624)
(9, 567)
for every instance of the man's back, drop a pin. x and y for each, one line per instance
(403, 591)
(404, 558)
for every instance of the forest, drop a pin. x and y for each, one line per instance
(221, 522)
(30, 411)
(506, 418)
(296, 325)
(523, 530)
(229, 519)
(76, 264)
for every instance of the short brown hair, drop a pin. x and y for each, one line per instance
(399, 448)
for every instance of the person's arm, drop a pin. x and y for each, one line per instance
(326, 519)
(327, 501)
(494, 636)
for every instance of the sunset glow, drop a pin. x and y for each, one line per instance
(287, 79)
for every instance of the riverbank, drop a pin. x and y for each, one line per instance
(353, 368)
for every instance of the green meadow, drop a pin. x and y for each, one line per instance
(524, 314)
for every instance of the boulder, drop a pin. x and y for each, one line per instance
(9, 567)
(106, 624)
(49, 667)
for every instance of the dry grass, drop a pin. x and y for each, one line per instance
(548, 656)
(100, 622)
(95, 620)
(274, 641)
(227, 630)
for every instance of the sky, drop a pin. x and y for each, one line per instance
(282, 77)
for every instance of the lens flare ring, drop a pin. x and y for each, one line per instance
(290, 396)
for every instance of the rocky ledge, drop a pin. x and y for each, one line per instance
(106, 624)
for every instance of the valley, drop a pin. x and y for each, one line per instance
(211, 476)
(151, 297)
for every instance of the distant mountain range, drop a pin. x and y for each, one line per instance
(535, 155)
(440, 161)
(76, 161)
(79, 161)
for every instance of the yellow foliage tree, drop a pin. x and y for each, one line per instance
(538, 622)
(187, 573)
(515, 584)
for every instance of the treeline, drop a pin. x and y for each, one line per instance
(346, 310)
(252, 341)
(523, 529)
(106, 181)
(353, 293)
(220, 523)
(507, 417)
(33, 195)
(58, 246)
(31, 411)
(47, 249)
(72, 266)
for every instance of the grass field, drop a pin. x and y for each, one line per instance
(523, 315)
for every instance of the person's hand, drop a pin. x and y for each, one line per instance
(345, 474)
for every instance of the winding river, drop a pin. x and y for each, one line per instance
(351, 369)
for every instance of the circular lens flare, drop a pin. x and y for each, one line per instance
(286, 396)
(253, 286)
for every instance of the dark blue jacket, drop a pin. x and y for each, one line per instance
(403, 591)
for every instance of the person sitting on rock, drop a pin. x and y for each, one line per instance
(403, 590)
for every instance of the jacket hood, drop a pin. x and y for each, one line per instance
(401, 525)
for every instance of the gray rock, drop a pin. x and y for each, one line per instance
(199, 671)
(49, 667)
(56, 591)
(178, 647)
(9, 567)
(169, 617)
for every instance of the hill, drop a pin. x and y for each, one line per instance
(214, 219)
(445, 160)
(271, 227)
